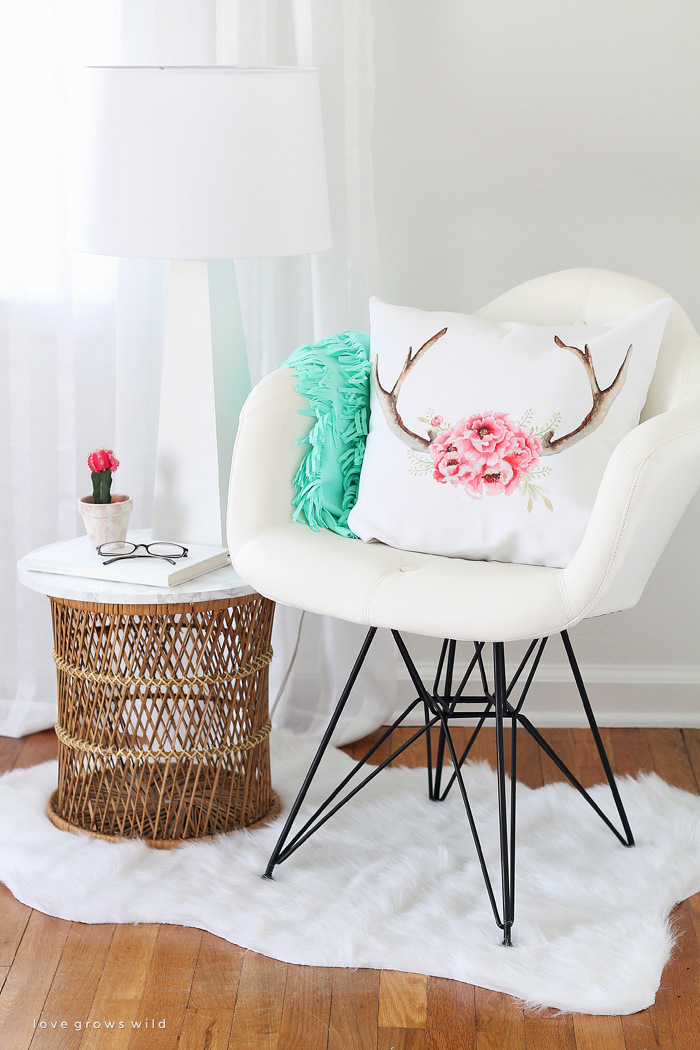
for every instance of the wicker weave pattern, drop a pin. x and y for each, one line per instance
(163, 726)
(132, 679)
(147, 752)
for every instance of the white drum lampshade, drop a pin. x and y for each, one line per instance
(195, 164)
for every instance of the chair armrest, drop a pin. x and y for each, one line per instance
(266, 458)
(649, 481)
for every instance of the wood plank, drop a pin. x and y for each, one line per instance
(307, 1008)
(37, 748)
(304, 1010)
(591, 770)
(691, 740)
(27, 985)
(594, 1032)
(14, 917)
(483, 748)
(74, 986)
(630, 752)
(563, 742)
(529, 760)
(216, 976)
(500, 1021)
(167, 987)
(354, 1010)
(258, 1012)
(359, 748)
(206, 1029)
(415, 756)
(403, 999)
(10, 748)
(120, 987)
(451, 1016)
(401, 1039)
(680, 982)
(671, 759)
(549, 1030)
(649, 1029)
(675, 1009)
(694, 908)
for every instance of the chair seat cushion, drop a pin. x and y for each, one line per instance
(489, 441)
(383, 586)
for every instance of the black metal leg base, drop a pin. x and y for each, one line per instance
(443, 707)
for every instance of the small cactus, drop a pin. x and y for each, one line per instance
(102, 462)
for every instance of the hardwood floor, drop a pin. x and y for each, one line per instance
(213, 995)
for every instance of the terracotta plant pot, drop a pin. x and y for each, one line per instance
(106, 522)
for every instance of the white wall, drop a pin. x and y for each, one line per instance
(513, 138)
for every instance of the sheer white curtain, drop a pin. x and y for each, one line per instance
(292, 301)
(81, 337)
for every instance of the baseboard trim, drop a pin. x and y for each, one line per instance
(621, 695)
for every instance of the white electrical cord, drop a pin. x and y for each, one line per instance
(289, 669)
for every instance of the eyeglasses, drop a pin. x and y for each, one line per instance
(123, 549)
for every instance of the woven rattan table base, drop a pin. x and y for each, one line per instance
(163, 723)
(64, 825)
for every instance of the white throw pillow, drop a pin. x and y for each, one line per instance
(489, 441)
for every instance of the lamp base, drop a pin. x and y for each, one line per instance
(205, 381)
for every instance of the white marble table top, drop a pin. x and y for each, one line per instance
(220, 583)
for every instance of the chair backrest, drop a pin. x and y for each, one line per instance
(595, 296)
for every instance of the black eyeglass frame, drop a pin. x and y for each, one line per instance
(123, 557)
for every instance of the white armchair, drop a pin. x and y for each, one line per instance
(650, 479)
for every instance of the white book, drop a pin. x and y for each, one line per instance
(78, 558)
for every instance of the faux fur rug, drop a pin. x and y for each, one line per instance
(392, 882)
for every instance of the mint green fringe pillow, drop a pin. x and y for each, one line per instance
(334, 376)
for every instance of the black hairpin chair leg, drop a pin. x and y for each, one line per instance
(442, 708)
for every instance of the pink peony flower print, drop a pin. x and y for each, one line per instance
(527, 450)
(488, 431)
(450, 464)
(454, 458)
(436, 421)
(501, 477)
(485, 454)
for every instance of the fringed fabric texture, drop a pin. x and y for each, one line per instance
(334, 375)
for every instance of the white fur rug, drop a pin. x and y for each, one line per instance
(392, 882)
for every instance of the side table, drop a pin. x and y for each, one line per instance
(163, 720)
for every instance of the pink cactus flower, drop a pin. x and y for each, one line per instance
(102, 459)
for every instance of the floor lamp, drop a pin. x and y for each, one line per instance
(195, 164)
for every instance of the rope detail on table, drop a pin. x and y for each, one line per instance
(144, 752)
(256, 664)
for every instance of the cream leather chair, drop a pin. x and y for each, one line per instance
(650, 479)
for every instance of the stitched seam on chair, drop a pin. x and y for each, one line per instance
(270, 404)
(586, 294)
(373, 592)
(565, 595)
(635, 485)
(257, 535)
(624, 454)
